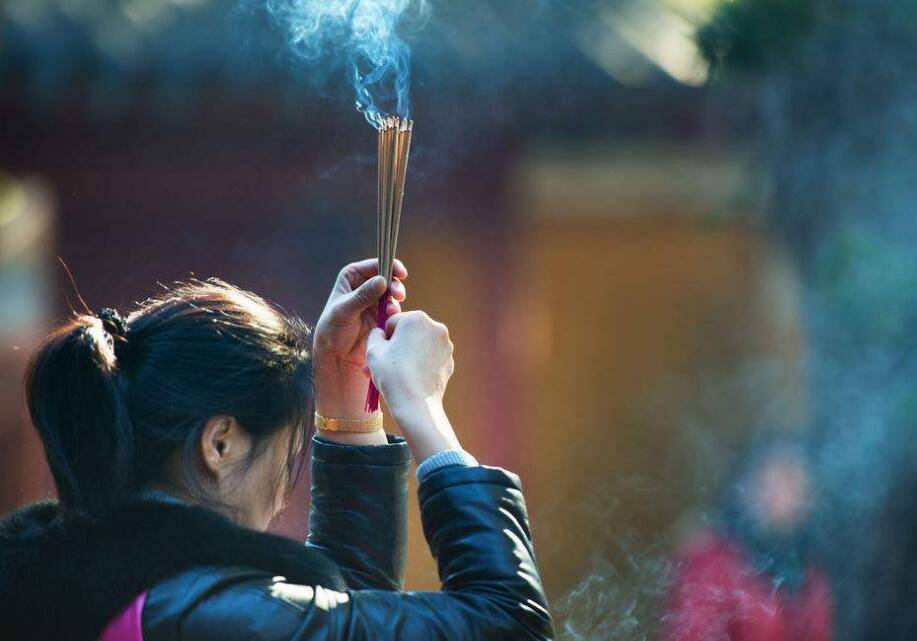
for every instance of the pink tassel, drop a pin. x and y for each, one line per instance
(372, 395)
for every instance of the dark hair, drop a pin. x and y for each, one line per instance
(114, 399)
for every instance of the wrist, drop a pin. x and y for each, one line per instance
(425, 426)
(350, 431)
(354, 438)
(340, 393)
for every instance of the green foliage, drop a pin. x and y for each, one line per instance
(755, 35)
(761, 35)
(869, 280)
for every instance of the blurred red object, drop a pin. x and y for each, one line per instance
(719, 595)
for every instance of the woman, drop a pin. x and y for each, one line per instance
(172, 436)
(752, 576)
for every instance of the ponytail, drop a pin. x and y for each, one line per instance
(75, 400)
(116, 403)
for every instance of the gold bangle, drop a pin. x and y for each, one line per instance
(371, 424)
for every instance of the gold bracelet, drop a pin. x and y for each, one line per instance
(371, 424)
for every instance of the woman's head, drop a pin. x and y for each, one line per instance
(205, 390)
(772, 486)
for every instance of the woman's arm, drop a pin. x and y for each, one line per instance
(476, 524)
(339, 346)
(358, 512)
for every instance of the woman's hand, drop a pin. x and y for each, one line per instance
(411, 363)
(339, 359)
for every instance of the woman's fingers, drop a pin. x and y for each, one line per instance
(392, 322)
(349, 306)
(394, 303)
(355, 274)
(398, 290)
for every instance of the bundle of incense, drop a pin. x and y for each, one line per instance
(394, 147)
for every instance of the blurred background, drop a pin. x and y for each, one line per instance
(674, 241)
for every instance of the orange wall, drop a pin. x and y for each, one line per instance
(606, 337)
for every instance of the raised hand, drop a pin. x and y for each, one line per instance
(339, 360)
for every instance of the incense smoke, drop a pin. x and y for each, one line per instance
(837, 130)
(843, 183)
(361, 34)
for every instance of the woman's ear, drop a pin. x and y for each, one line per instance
(223, 441)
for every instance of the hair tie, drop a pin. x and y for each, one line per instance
(113, 323)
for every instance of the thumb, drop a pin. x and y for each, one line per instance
(355, 302)
(375, 341)
(375, 344)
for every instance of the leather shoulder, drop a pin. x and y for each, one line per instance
(230, 604)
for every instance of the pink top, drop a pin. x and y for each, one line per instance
(718, 593)
(126, 626)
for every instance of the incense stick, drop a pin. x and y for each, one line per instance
(394, 146)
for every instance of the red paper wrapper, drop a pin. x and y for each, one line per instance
(372, 395)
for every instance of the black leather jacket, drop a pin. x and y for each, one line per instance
(474, 520)
(64, 577)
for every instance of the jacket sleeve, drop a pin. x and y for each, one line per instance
(358, 514)
(475, 522)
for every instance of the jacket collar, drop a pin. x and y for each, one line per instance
(64, 576)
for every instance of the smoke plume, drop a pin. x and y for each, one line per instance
(361, 35)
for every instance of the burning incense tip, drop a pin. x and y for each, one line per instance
(394, 147)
